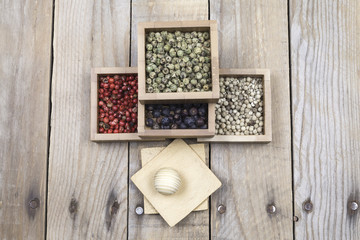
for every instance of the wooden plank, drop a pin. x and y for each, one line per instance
(325, 60)
(253, 34)
(87, 181)
(25, 60)
(196, 225)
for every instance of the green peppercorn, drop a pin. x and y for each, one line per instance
(161, 86)
(167, 90)
(149, 81)
(206, 35)
(180, 53)
(196, 69)
(173, 87)
(198, 75)
(152, 75)
(193, 82)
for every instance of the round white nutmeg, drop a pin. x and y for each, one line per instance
(167, 181)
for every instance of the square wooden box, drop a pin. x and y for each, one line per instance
(185, 26)
(94, 135)
(267, 137)
(176, 133)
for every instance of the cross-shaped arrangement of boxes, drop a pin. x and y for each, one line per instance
(178, 91)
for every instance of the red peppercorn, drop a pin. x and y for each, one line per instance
(117, 103)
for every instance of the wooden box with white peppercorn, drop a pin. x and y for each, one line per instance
(178, 61)
(110, 105)
(243, 112)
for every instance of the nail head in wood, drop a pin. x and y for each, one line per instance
(221, 209)
(34, 203)
(308, 206)
(139, 210)
(354, 206)
(271, 209)
(296, 218)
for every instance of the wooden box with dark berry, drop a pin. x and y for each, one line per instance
(114, 104)
(178, 61)
(243, 112)
(177, 120)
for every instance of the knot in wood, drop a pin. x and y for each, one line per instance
(73, 206)
(34, 203)
(114, 208)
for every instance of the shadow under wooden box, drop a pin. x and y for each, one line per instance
(96, 73)
(183, 26)
(264, 74)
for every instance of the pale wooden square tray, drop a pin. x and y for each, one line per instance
(198, 181)
(147, 154)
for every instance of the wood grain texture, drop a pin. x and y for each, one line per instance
(25, 61)
(325, 59)
(253, 34)
(87, 196)
(196, 225)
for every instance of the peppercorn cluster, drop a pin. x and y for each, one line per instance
(178, 62)
(118, 102)
(239, 110)
(176, 116)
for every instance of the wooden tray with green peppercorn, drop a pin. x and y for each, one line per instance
(178, 61)
(243, 112)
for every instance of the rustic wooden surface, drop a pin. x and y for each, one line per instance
(325, 57)
(253, 34)
(88, 194)
(25, 69)
(87, 188)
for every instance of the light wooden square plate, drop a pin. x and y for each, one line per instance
(198, 181)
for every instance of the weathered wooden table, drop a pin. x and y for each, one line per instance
(55, 183)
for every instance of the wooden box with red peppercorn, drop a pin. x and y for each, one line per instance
(243, 112)
(177, 120)
(178, 61)
(114, 104)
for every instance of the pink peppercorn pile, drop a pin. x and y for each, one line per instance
(117, 101)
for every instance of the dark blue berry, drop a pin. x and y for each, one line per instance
(189, 121)
(193, 111)
(149, 122)
(165, 121)
(166, 112)
(156, 113)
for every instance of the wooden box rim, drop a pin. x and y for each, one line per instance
(211, 96)
(267, 137)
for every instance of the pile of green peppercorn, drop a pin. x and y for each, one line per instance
(178, 62)
(176, 116)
